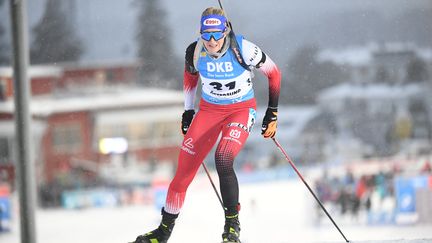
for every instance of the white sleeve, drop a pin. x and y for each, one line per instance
(189, 98)
(252, 54)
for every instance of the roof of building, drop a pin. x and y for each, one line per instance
(354, 56)
(108, 63)
(363, 55)
(58, 69)
(369, 91)
(119, 99)
(35, 71)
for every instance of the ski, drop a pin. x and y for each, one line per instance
(238, 241)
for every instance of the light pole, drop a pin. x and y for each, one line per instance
(25, 170)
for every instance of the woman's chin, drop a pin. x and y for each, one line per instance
(212, 51)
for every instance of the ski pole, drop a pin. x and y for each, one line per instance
(307, 185)
(220, 5)
(229, 22)
(234, 45)
(213, 185)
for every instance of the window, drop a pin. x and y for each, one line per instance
(110, 76)
(4, 150)
(166, 132)
(67, 137)
(2, 90)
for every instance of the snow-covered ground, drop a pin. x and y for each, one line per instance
(272, 212)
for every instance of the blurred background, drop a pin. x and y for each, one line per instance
(355, 111)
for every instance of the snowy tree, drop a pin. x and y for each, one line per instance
(382, 75)
(417, 71)
(54, 37)
(160, 67)
(4, 46)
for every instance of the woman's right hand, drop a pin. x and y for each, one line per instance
(187, 120)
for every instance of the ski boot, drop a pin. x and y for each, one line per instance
(231, 232)
(162, 233)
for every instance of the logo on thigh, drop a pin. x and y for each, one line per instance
(188, 146)
(235, 124)
(235, 133)
(188, 143)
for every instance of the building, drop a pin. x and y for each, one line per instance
(381, 117)
(386, 63)
(88, 116)
(302, 130)
(384, 107)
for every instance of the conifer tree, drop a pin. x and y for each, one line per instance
(54, 37)
(4, 45)
(160, 66)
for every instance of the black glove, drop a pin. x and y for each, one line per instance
(187, 120)
(269, 124)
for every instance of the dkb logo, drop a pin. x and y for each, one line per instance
(220, 67)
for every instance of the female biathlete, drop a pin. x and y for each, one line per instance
(227, 108)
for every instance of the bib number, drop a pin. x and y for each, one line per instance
(218, 86)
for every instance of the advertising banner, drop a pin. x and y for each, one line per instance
(405, 191)
(5, 208)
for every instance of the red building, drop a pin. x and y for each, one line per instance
(83, 114)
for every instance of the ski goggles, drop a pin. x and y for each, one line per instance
(217, 35)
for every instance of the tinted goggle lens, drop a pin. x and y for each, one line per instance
(215, 35)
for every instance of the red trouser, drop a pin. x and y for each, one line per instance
(234, 121)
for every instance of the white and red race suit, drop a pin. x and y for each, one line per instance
(227, 107)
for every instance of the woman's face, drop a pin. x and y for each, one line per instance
(213, 40)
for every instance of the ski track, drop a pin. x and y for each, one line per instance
(272, 212)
